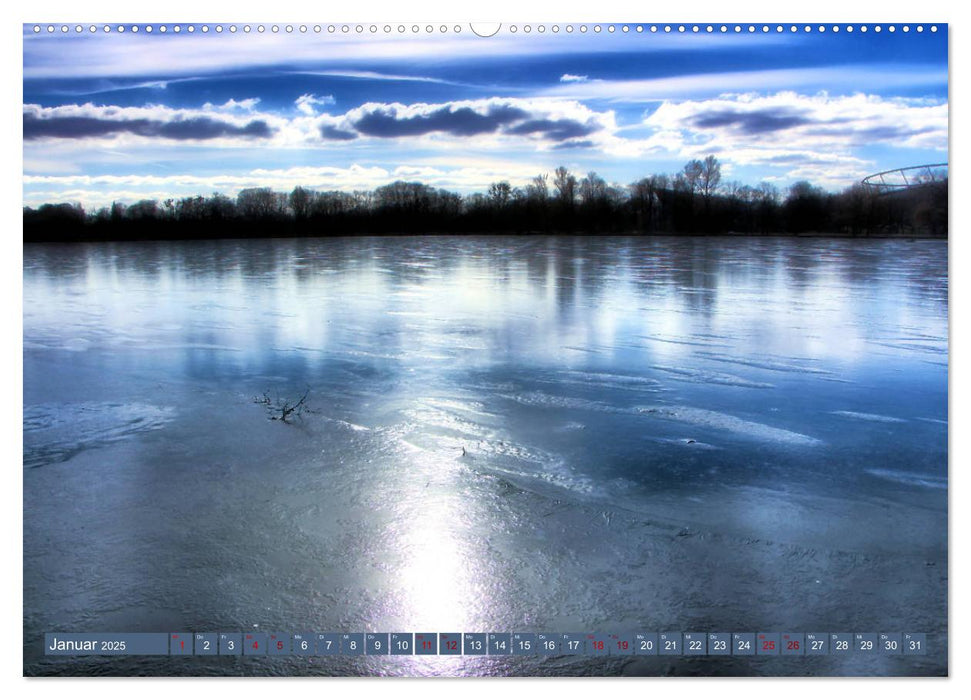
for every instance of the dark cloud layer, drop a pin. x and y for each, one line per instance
(765, 121)
(386, 122)
(554, 129)
(181, 129)
(750, 122)
(334, 134)
(586, 143)
(463, 121)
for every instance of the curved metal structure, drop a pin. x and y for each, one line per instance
(900, 179)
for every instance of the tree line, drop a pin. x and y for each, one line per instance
(694, 200)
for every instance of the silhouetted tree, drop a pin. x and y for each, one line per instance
(260, 203)
(805, 208)
(657, 203)
(709, 177)
(565, 184)
(301, 203)
(500, 193)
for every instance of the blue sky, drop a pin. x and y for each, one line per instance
(155, 115)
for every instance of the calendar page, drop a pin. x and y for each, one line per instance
(514, 349)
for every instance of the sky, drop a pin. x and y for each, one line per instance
(123, 116)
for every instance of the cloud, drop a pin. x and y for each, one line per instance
(390, 121)
(461, 174)
(544, 121)
(835, 79)
(753, 122)
(540, 123)
(570, 78)
(247, 105)
(574, 144)
(332, 133)
(90, 121)
(556, 130)
(163, 56)
(795, 122)
(306, 104)
(374, 75)
(817, 137)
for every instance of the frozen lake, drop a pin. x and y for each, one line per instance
(523, 434)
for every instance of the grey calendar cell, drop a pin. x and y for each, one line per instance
(915, 644)
(328, 643)
(598, 644)
(669, 644)
(352, 644)
(376, 643)
(817, 643)
(475, 643)
(743, 644)
(573, 643)
(402, 643)
(523, 644)
(426, 643)
(767, 644)
(450, 643)
(547, 643)
(205, 643)
(695, 643)
(303, 644)
(254, 644)
(621, 644)
(719, 644)
(645, 643)
(891, 643)
(230, 643)
(180, 644)
(793, 644)
(499, 643)
(865, 642)
(277, 644)
(840, 643)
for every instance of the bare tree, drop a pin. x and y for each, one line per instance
(710, 177)
(566, 186)
(645, 195)
(259, 202)
(539, 188)
(593, 188)
(692, 174)
(301, 202)
(500, 193)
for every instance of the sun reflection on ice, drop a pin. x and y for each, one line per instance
(439, 570)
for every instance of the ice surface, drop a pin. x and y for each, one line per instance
(513, 433)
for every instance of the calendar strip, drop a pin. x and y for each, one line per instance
(388, 644)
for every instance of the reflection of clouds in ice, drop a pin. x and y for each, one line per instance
(479, 301)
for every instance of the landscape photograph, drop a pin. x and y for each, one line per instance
(541, 332)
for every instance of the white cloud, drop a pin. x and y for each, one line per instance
(540, 123)
(375, 75)
(793, 123)
(232, 121)
(819, 137)
(843, 79)
(816, 137)
(95, 191)
(306, 104)
(570, 78)
(129, 55)
(247, 105)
